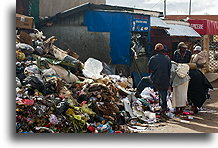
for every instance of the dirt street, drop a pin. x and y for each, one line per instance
(206, 121)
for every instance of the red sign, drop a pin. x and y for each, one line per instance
(204, 27)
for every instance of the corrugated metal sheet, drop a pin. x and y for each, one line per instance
(158, 23)
(181, 30)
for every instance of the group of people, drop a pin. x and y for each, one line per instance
(178, 75)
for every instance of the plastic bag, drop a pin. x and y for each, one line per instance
(87, 110)
(18, 82)
(20, 56)
(107, 70)
(25, 48)
(68, 63)
(35, 82)
(53, 119)
(37, 35)
(105, 128)
(49, 74)
(169, 103)
(39, 50)
(127, 107)
(148, 93)
(92, 69)
(64, 74)
(182, 70)
(31, 70)
(150, 115)
(72, 64)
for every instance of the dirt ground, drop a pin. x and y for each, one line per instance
(205, 121)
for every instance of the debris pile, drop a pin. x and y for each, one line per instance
(57, 93)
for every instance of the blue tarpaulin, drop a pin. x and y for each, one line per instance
(120, 25)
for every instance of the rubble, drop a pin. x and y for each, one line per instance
(57, 93)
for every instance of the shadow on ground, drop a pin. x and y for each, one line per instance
(204, 122)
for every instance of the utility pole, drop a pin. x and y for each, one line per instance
(165, 8)
(190, 7)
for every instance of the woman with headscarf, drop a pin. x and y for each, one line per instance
(199, 57)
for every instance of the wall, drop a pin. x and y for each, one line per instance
(22, 7)
(106, 36)
(198, 17)
(160, 36)
(52, 7)
(72, 34)
(29, 8)
(120, 25)
(79, 40)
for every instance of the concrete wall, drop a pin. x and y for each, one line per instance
(78, 39)
(52, 7)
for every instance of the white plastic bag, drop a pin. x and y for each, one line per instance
(182, 70)
(169, 103)
(92, 69)
(148, 93)
(150, 115)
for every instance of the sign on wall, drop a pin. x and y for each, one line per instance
(140, 23)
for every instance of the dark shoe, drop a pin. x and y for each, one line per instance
(164, 117)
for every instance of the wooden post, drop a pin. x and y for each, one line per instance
(206, 48)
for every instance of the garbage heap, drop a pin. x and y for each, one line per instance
(57, 93)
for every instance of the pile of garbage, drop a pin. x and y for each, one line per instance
(57, 93)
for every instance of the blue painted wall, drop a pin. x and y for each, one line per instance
(120, 26)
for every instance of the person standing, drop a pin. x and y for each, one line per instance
(180, 87)
(182, 54)
(159, 66)
(199, 57)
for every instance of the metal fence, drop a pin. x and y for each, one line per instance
(213, 52)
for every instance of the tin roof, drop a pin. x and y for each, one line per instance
(157, 22)
(102, 7)
(181, 30)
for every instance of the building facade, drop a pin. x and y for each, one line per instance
(52, 7)
(104, 32)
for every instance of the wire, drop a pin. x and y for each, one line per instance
(156, 4)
